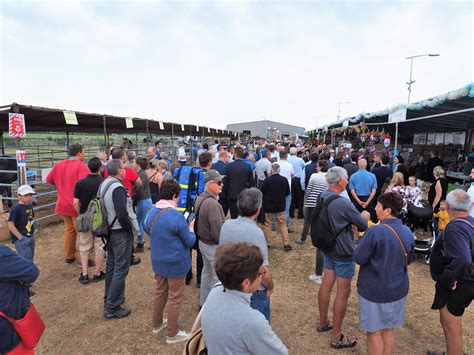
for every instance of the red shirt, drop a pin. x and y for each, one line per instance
(130, 177)
(64, 176)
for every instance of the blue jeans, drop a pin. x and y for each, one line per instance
(260, 302)
(26, 247)
(142, 209)
(287, 209)
(119, 252)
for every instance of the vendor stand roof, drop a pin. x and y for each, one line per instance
(450, 111)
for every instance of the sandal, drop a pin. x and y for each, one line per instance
(324, 328)
(350, 342)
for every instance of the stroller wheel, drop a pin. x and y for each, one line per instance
(427, 258)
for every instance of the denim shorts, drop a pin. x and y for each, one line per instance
(343, 269)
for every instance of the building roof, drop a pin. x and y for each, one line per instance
(269, 122)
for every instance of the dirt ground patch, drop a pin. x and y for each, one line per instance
(75, 324)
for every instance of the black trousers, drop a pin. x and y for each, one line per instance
(297, 197)
(225, 204)
(261, 215)
(234, 212)
(370, 208)
(199, 264)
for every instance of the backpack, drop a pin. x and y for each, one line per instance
(192, 185)
(96, 214)
(438, 259)
(322, 235)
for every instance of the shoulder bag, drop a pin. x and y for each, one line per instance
(29, 328)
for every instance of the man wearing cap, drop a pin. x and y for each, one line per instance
(209, 220)
(363, 187)
(182, 156)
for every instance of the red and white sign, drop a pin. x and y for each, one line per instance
(21, 158)
(16, 125)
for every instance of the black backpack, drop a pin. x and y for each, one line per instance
(322, 235)
(438, 260)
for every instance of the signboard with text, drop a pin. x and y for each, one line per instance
(16, 125)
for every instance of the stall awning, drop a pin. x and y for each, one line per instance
(43, 119)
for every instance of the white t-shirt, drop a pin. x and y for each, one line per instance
(286, 170)
(470, 191)
(181, 153)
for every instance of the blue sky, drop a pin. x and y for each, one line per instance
(213, 63)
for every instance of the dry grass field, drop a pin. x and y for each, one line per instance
(75, 324)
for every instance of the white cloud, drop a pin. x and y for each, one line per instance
(218, 63)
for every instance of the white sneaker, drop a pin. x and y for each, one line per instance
(162, 326)
(316, 278)
(181, 336)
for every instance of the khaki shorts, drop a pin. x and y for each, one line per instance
(87, 243)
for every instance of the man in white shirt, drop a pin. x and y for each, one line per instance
(470, 191)
(297, 193)
(287, 171)
(182, 156)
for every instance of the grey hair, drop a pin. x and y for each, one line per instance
(249, 201)
(131, 155)
(113, 166)
(334, 174)
(102, 155)
(164, 156)
(459, 200)
(293, 151)
(275, 168)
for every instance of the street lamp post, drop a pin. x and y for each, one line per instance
(339, 108)
(409, 83)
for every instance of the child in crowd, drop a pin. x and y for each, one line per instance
(20, 224)
(366, 215)
(442, 215)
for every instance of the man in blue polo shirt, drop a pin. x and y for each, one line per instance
(363, 187)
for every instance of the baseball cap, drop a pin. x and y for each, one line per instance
(25, 190)
(213, 175)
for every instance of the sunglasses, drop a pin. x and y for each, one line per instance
(218, 182)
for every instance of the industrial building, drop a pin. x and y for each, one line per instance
(266, 129)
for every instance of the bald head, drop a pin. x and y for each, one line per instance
(362, 163)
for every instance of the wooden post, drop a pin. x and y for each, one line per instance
(106, 137)
(173, 158)
(67, 139)
(147, 134)
(3, 144)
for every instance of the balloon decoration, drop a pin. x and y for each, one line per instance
(349, 131)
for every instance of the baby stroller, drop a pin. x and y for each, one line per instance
(420, 221)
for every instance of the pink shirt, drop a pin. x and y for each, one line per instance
(64, 176)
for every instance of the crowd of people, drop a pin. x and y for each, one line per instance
(251, 191)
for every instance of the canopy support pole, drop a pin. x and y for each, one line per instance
(173, 158)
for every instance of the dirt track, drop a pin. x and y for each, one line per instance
(75, 325)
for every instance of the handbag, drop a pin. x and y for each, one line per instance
(195, 345)
(29, 328)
